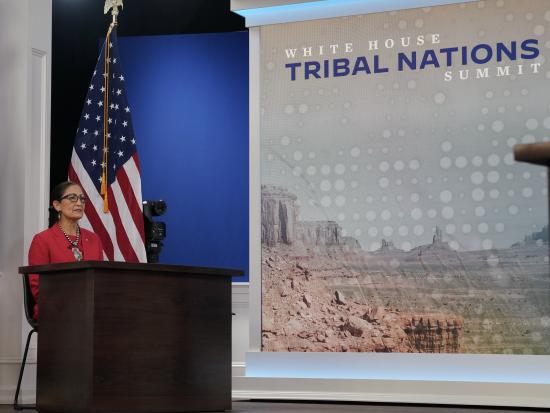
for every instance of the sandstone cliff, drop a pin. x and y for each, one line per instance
(278, 216)
(303, 312)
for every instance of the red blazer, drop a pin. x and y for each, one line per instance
(51, 246)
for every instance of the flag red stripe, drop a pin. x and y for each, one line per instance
(136, 160)
(121, 236)
(131, 201)
(101, 232)
(94, 219)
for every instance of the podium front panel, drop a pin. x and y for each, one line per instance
(115, 340)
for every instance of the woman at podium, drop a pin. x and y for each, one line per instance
(64, 240)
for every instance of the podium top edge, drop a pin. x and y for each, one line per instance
(122, 266)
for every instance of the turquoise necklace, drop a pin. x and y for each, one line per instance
(74, 244)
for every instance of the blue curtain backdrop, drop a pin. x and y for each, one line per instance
(189, 97)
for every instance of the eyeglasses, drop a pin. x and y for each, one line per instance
(74, 198)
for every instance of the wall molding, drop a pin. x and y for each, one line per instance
(238, 369)
(38, 52)
(239, 294)
(31, 358)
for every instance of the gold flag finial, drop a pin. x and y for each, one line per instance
(112, 4)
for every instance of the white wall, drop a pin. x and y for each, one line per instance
(240, 330)
(25, 72)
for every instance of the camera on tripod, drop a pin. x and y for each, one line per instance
(155, 232)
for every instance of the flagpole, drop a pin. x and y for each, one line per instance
(114, 5)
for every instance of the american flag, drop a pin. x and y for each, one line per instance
(105, 161)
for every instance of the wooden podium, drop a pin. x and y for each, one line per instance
(119, 337)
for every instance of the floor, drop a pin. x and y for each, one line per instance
(247, 406)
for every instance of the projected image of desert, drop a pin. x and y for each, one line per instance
(323, 292)
(395, 217)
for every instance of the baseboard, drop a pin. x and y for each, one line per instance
(377, 391)
(29, 394)
(392, 391)
(8, 392)
(9, 373)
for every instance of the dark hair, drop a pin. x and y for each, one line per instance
(56, 195)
